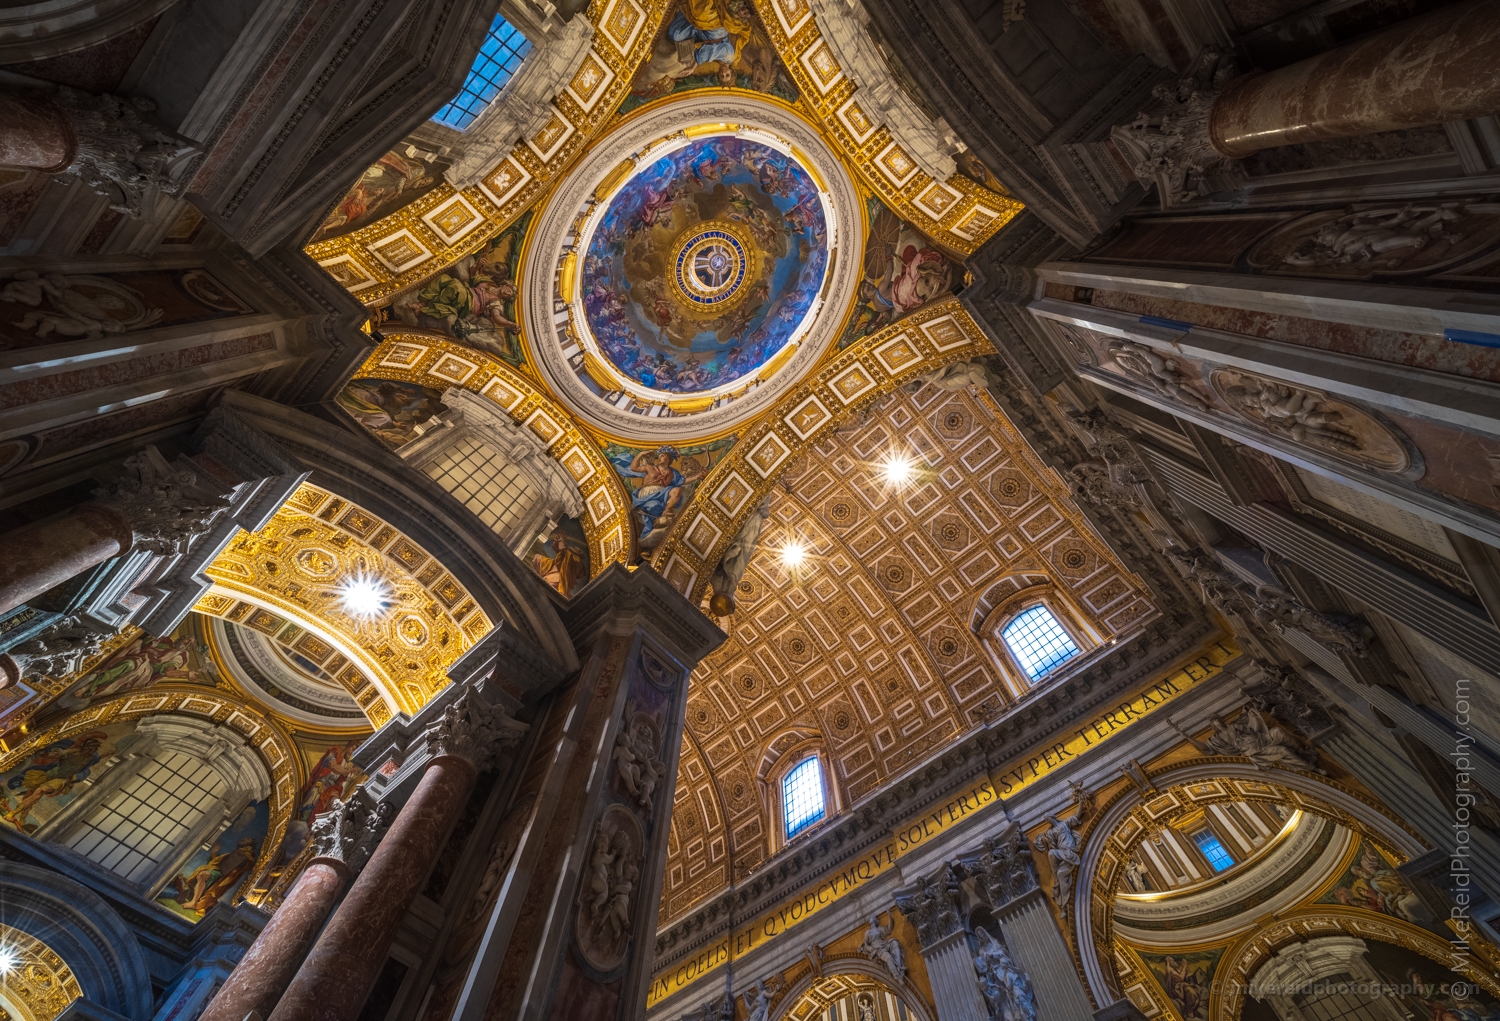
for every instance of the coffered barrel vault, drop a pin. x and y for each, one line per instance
(747, 510)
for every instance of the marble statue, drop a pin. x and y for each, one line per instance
(758, 1009)
(1060, 843)
(1264, 744)
(880, 945)
(1007, 990)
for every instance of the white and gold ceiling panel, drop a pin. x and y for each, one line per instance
(440, 364)
(289, 574)
(880, 646)
(445, 224)
(958, 213)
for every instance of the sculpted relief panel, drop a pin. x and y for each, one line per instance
(878, 648)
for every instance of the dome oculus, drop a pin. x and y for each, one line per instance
(704, 265)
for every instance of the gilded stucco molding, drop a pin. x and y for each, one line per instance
(1113, 834)
(270, 742)
(939, 333)
(1252, 950)
(440, 364)
(289, 572)
(445, 225)
(39, 984)
(958, 213)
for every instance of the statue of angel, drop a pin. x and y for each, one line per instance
(1060, 844)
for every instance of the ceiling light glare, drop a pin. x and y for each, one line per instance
(898, 469)
(365, 596)
(8, 961)
(793, 553)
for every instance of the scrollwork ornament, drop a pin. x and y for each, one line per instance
(473, 730)
(122, 155)
(165, 504)
(59, 651)
(349, 831)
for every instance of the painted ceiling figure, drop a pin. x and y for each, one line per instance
(720, 36)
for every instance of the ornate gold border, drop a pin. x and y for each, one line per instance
(275, 747)
(963, 214)
(941, 332)
(440, 364)
(445, 225)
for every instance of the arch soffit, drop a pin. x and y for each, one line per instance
(851, 964)
(432, 232)
(1246, 955)
(272, 745)
(351, 465)
(82, 929)
(1129, 816)
(441, 364)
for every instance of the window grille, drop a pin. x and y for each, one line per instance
(802, 796)
(1333, 1000)
(1038, 642)
(143, 822)
(497, 491)
(503, 50)
(1218, 856)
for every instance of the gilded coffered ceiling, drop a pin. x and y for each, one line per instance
(883, 646)
(448, 223)
(286, 581)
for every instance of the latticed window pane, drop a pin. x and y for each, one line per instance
(503, 50)
(489, 485)
(1333, 1000)
(802, 796)
(1038, 641)
(142, 823)
(1215, 852)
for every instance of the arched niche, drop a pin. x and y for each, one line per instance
(1246, 959)
(843, 979)
(1118, 828)
(260, 757)
(79, 927)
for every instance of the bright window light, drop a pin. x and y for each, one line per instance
(503, 50)
(8, 960)
(1038, 642)
(897, 469)
(793, 553)
(802, 796)
(1214, 851)
(365, 596)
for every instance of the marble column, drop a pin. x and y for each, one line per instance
(1426, 70)
(933, 905)
(343, 839)
(38, 556)
(1038, 948)
(955, 986)
(35, 133)
(151, 504)
(335, 980)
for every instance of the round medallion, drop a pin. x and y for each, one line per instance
(710, 266)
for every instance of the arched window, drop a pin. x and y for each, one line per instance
(144, 821)
(1038, 641)
(802, 796)
(172, 789)
(501, 54)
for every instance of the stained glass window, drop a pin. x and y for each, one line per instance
(503, 50)
(1038, 641)
(802, 796)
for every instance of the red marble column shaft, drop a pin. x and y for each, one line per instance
(35, 133)
(1429, 70)
(337, 976)
(258, 981)
(35, 557)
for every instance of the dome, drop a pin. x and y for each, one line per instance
(704, 265)
(687, 272)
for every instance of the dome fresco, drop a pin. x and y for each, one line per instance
(705, 265)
